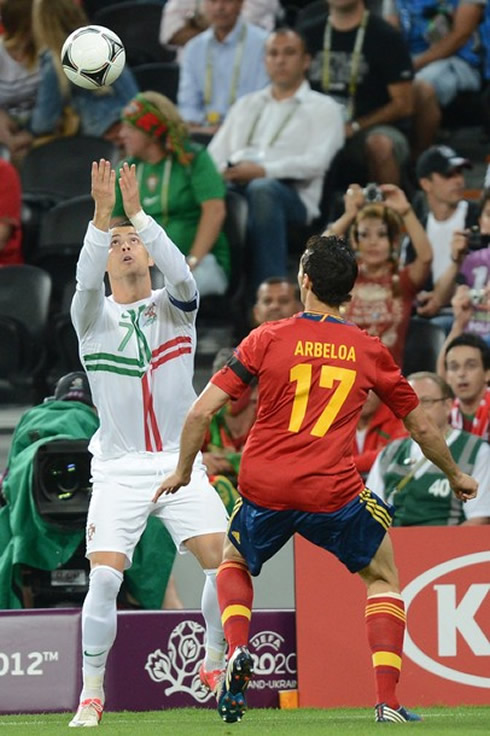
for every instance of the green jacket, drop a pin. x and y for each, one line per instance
(27, 539)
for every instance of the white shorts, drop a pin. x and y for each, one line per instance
(121, 503)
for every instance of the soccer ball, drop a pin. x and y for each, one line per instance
(92, 57)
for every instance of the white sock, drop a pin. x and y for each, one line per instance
(215, 639)
(99, 623)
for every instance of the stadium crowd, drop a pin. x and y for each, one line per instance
(320, 122)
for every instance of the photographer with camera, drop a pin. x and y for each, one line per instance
(381, 304)
(45, 492)
(467, 278)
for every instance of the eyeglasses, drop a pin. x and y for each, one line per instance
(429, 402)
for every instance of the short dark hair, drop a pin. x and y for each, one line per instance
(331, 265)
(121, 222)
(284, 30)
(469, 339)
(274, 281)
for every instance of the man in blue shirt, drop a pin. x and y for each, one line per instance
(442, 36)
(220, 65)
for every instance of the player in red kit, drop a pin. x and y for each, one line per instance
(297, 473)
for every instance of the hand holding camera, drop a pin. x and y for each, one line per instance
(394, 197)
(353, 200)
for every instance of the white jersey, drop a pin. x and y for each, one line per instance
(139, 357)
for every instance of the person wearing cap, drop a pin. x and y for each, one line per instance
(443, 38)
(137, 346)
(220, 65)
(442, 211)
(179, 186)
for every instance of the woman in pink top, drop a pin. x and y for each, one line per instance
(383, 293)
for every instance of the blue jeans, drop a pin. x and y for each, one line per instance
(272, 204)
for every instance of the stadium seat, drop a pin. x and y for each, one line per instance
(422, 346)
(54, 172)
(25, 293)
(61, 168)
(161, 76)
(64, 334)
(214, 310)
(60, 240)
(138, 25)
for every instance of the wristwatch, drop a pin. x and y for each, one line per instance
(355, 126)
(192, 261)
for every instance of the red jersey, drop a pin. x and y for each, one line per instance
(314, 373)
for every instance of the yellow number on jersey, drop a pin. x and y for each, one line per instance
(302, 373)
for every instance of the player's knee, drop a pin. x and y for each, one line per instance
(105, 581)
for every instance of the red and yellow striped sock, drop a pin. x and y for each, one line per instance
(385, 623)
(235, 597)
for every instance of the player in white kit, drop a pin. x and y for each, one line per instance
(137, 347)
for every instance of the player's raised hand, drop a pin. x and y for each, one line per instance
(170, 484)
(103, 191)
(129, 189)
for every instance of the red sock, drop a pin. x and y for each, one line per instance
(235, 597)
(385, 623)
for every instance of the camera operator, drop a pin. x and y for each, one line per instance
(467, 278)
(28, 540)
(383, 293)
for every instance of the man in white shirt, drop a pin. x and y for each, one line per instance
(418, 490)
(137, 347)
(276, 145)
(440, 172)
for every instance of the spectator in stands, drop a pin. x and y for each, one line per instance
(10, 209)
(19, 76)
(376, 427)
(470, 268)
(444, 44)
(443, 211)
(383, 293)
(276, 145)
(418, 490)
(184, 19)
(364, 63)
(466, 364)
(220, 65)
(276, 298)
(62, 108)
(180, 186)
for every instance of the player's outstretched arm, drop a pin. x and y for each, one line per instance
(89, 296)
(103, 192)
(435, 449)
(192, 437)
(164, 252)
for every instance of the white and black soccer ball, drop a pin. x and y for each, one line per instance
(92, 57)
